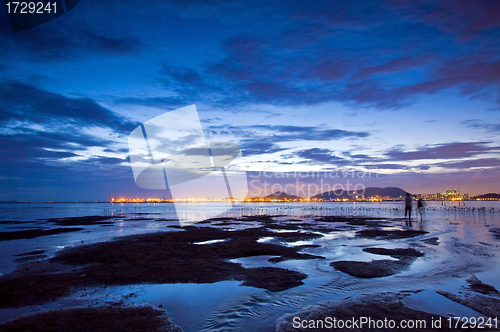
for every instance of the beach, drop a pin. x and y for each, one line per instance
(257, 267)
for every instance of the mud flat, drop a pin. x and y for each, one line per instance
(106, 319)
(373, 269)
(433, 240)
(487, 305)
(377, 307)
(495, 232)
(380, 268)
(383, 234)
(213, 252)
(29, 256)
(70, 221)
(33, 233)
(396, 253)
(165, 257)
(82, 221)
(355, 221)
(478, 286)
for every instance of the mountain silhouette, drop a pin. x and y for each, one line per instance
(368, 192)
(282, 196)
(490, 195)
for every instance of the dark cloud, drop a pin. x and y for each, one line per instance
(388, 166)
(31, 148)
(57, 44)
(467, 164)
(58, 182)
(474, 76)
(322, 156)
(107, 161)
(443, 151)
(262, 139)
(258, 147)
(381, 54)
(377, 53)
(374, 165)
(41, 129)
(112, 45)
(116, 150)
(33, 168)
(26, 103)
(282, 133)
(74, 35)
(38, 147)
(480, 124)
(465, 19)
(355, 156)
(211, 120)
(188, 77)
(392, 66)
(165, 103)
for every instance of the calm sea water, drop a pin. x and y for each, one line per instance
(466, 247)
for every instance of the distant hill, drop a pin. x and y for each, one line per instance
(490, 195)
(282, 196)
(388, 191)
(368, 192)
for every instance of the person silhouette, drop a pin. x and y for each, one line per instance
(408, 206)
(421, 209)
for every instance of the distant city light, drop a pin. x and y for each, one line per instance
(448, 195)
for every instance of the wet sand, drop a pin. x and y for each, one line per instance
(379, 268)
(388, 235)
(107, 319)
(379, 308)
(214, 251)
(31, 234)
(69, 221)
(166, 257)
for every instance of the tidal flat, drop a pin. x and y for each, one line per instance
(253, 269)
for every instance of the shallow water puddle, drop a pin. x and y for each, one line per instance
(429, 301)
(211, 241)
(188, 304)
(254, 261)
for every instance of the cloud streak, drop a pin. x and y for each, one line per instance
(266, 139)
(443, 151)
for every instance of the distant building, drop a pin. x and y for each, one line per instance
(448, 195)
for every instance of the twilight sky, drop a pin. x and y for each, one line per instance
(408, 90)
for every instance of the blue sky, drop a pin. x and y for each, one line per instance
(409, 89)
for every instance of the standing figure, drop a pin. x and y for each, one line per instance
(421, 209)
(408, 206)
